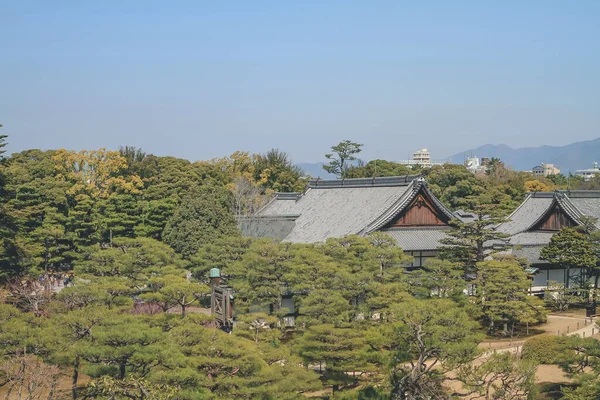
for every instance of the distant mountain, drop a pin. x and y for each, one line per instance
(315, 170)
(568, 158)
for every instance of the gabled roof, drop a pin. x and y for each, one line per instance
(577, 204)
(530, 211)
(583, 204)
(522, 225)
(338, 208)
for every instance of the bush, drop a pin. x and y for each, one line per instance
(544, 349)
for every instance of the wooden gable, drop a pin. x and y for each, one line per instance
(554, 220)
(420, 212)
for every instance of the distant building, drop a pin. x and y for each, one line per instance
(588, 174)
(545, 170)
(422, 158)
(477, 165)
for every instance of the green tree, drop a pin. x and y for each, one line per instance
(132, 388)
(324, 306)
(438, 278)
(261, 275)
(428, 338)
(378, 168)
(340, 349)
(502, 295)
(277, 172)
(342, 153)
(137, 259)
(61, 337)
(125, 343)
(173, 291)
(154, 216)
(570, 249)
(229, 366)
(501, 376)
(472, 241)
(16, 330)
(223, 253)
(203, 217)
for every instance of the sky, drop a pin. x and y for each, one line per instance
(198, 79)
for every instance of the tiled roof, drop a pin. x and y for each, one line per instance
(531, 238)
(344, 207)
(532, 209)
(576, 203)
(336, 209)
(402, 202)
(588, 206)
(412, 239)
(530, 253)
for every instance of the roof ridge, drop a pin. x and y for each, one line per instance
(402, 202)
(518, 208)
(571, 209)
(542, 215)
(403, 180)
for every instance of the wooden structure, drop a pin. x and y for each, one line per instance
(221, 301)
(421, 212)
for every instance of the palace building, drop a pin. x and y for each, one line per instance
(402, 207)
(540, 216)
(409, 212)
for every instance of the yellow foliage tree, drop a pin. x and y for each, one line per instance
(538, 186)
(95, 171)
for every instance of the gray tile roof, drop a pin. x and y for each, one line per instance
(526, 214)
(352, 206)
(528, 244)
(338, 212)
(530, 253)
(412, 239)
(531, 238)
(589, 207)
(576, 203)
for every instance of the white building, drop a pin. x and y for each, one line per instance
(422, 158)
(477, 165)
(588, 174)
(545, 170)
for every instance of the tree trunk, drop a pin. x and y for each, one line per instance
(121, 371)
(75, 378)
(182, 311)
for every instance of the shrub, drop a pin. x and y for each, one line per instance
(544, 349)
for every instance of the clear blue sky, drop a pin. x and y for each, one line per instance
(200, 79)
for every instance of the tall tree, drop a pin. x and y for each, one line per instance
(342, 153)
(277, 172)
(502, 295)
(341, 349)
(428, 337)
(203, 217)
(570, 249)
(473, 240)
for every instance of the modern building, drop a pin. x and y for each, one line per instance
(544, 170)
(421, 158)
(477, 165)
(403, 207)
(588, 174)
(538, 218)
